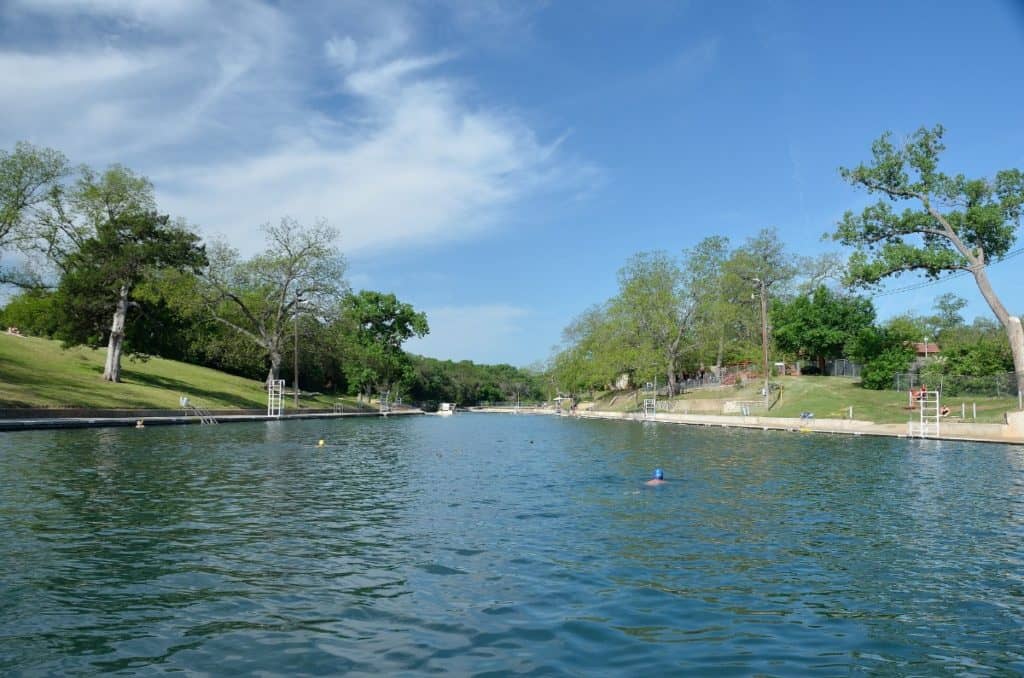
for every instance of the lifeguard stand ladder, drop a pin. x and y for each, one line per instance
(275, 398)
(385, 404)
(651, 404)
(929, 411)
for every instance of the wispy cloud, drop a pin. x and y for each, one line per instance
(242, 112)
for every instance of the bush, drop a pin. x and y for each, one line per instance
(878, 372)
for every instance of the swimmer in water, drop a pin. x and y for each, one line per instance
(658, 479)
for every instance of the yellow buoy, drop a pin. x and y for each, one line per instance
(320, 443)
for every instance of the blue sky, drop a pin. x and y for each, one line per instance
(495, 163)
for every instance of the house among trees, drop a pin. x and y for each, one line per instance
(926, 349)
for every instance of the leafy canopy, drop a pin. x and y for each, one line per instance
(948, 222)
(821, 325)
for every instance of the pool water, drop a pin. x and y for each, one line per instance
(503, 544)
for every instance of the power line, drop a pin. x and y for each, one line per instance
(958, 274)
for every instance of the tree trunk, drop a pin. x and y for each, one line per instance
(1016, 336)
(1010, 323)
(275, 366)
(671, 380)
(112, 368)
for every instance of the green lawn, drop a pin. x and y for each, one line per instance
(39, 373)
(829, 397)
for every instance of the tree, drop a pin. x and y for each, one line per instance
(763, 263)
(947, 313)
(375, 325)
(948, 224)
(32, 311)
(821, 325)
(657, 310)
(29, 176)
(104, 272)
(300, 270)
(884, 351)
(715, 312)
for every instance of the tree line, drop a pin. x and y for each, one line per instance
(96, 263)
(691, 314)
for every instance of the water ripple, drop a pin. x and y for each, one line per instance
(486, 545)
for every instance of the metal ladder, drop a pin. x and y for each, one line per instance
(205, 417)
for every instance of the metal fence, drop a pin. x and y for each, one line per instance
(995, 385)
(843, 368)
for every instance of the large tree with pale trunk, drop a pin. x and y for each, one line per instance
(301, 271)
(102, 275)
(947, 224)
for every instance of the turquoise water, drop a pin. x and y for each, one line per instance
(500, 544)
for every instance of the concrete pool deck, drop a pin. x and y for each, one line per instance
(97, 420)
(1012, 432)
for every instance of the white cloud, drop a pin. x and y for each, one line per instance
(152, 12)
(481, 333)
(342, 51)
(241, 114)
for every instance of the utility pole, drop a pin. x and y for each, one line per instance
(295, 382)
(764, 330)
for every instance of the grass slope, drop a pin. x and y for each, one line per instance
(829, 398)
(39, 373)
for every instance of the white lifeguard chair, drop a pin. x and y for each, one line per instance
(275, 398)
(929, 414)
(651, 402)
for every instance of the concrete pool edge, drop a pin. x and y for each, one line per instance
(44, 423)
(1011, 433)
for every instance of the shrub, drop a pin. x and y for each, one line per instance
(878, 372)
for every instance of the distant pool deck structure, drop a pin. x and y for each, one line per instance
(1011, 432)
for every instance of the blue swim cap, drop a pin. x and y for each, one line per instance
(659, 474)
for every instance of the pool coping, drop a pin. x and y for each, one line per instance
(850, 427)
(44, 423)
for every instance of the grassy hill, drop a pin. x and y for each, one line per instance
(39, 373)
(827, 397)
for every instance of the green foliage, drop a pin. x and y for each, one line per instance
(112, 264)
(301, 271)
(947, 313)
(878, 373)
(373, 327)
(820, 326)
(948, 223)
(467, 383)
(28, 178)
(983, 217)
(33, 312)
(884, 351)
